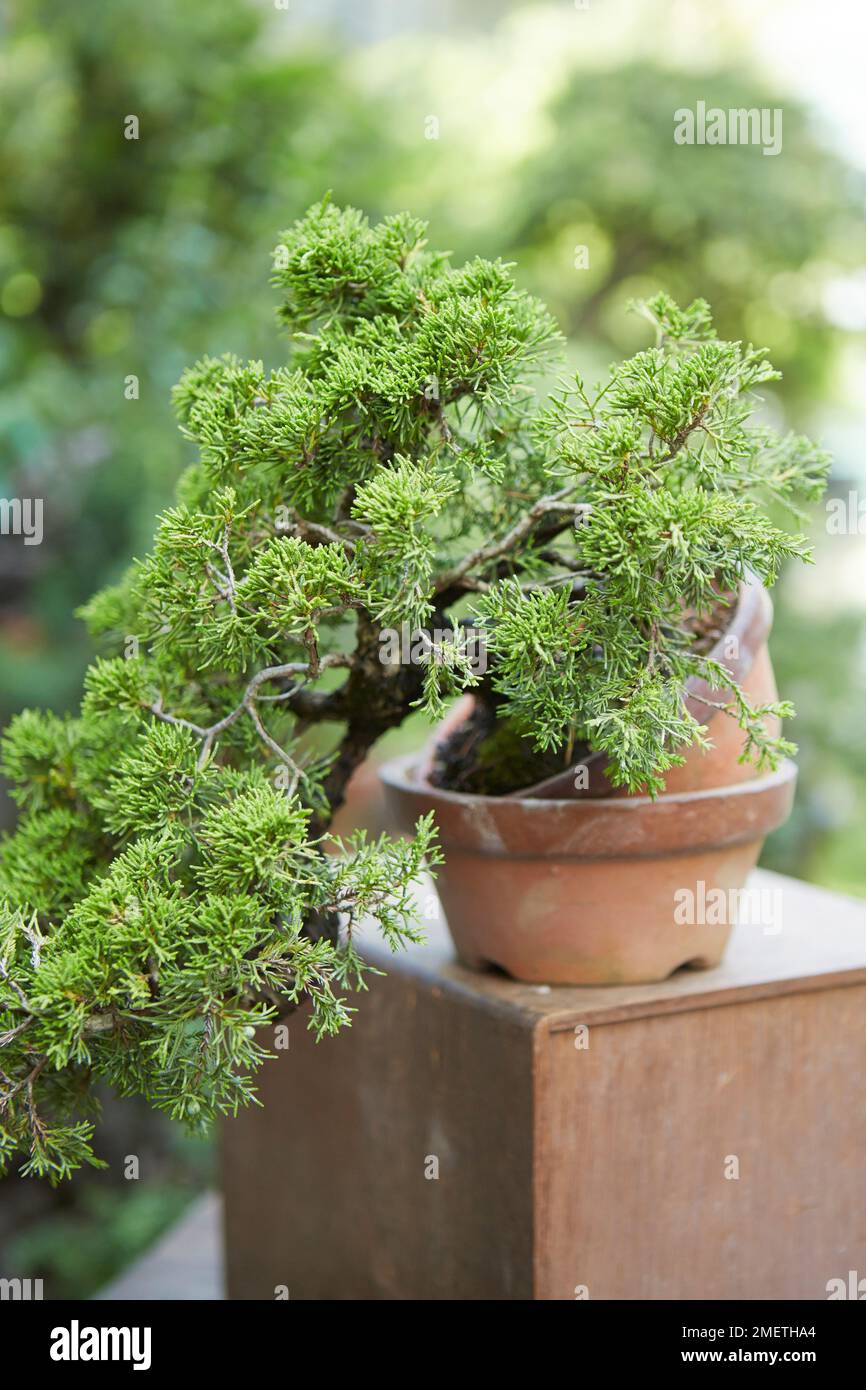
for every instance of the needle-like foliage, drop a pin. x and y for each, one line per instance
(172, 884)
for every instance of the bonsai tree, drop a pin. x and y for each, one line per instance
(172, 884)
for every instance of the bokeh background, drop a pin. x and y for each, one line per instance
(539, 132)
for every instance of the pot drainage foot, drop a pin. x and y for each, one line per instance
(699, 963)
(481, 966)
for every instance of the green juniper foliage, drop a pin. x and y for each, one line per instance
(172, 883)
(673, 477)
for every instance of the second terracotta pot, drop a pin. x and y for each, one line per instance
(742, 650)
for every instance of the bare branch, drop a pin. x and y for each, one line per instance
(485, 553)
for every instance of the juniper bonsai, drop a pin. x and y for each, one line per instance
(173, 883)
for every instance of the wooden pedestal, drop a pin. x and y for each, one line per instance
(476, 1138)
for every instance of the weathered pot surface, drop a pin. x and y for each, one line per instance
(594, 890)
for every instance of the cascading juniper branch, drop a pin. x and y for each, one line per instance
(167, 889)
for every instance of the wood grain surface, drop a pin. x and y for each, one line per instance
(561, 1166)
(635, 1135)
(327, 1188)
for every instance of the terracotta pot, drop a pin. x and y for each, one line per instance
(589, 891)
(573, 882)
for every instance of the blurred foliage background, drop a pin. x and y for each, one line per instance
(539, 132)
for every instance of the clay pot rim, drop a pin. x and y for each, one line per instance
(393, 774)
(616, 827)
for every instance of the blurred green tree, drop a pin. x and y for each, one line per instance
(613, 207)
(116, 259)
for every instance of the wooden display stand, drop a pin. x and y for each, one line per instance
(472, 1137)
